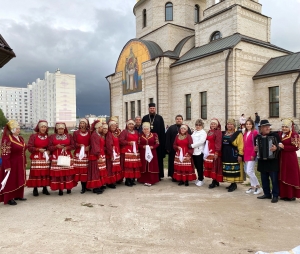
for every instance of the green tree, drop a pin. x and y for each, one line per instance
(3, 119)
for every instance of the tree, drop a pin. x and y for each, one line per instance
(3, 119)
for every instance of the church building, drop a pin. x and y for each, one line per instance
(205, 59)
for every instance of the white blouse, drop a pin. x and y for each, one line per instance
(199, 138)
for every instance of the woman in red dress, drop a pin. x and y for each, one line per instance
(149, 169)
(13, 162)
(129, 147)
(96, 177)
(212, 163)
(183, 167)
(61, 143)
(114, 171)
(82, 139)
(40, 163)
(289, 174)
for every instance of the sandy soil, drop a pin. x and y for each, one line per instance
(165, 218)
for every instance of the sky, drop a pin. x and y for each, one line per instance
(85, 38)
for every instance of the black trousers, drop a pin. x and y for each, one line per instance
(198, 162)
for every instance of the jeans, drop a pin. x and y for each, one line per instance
(256, 126)
(265, 180)
(198, 161)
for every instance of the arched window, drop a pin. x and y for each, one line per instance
(197, 13)
(144, 18)
(169, 11)
(216, 36)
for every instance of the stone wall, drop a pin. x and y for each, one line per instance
(234, 20)
(183, 14)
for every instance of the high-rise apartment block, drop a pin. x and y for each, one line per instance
(52, 98)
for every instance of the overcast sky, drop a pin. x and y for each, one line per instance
(85, 38)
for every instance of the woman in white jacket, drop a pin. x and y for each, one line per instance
(199, 138)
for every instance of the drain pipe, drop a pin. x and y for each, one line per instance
(109, 96)
(294, 94)
(226, 84)
(157, 108)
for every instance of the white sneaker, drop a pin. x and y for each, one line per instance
(257, 191)
(199, 183)
(250, 191)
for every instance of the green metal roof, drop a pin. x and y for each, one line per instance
(176, 52)
(220, 45)
(279, 66)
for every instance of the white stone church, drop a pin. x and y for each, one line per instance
(205, 59)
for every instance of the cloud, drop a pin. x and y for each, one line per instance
(91, 54)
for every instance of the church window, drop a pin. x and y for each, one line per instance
(188, 107)
(126, 111)
(144, 18)
(197, 13)
(132, 108)
(216, 36)
(203, 97)
(139, 108)
(274, 101)
(169, 11)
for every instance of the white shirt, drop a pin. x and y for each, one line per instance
(199, 138)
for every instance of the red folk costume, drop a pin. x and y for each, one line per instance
(61, 177)
(97, 172)
(149, 170)
(132, 161)
(114, 171)
(81, 165)
(39, 167)
(213, 167)
(183, 171)
(289, 174)
(13, 158)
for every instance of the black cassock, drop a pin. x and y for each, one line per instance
(159, 128)
(170, 138)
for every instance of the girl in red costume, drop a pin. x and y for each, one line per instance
(289, 174)
(40, 162)
(183, 167)
(61, 143)
(129, 148)
(213, 163)
(13, 162)
(114, 171)
(97, 172)
(82, 139)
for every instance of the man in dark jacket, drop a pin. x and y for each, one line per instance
(269, 168)
(257, 120)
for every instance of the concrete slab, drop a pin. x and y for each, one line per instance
(165, 218)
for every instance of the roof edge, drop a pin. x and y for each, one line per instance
(255, 77)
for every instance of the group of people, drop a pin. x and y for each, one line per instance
(101, 156)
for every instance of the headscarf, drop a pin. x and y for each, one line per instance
(146, 125)
(288, 122)
(9, 127)
(86, 122)
(215, 120)
(95, 125)
(40, 124)
(61, 125)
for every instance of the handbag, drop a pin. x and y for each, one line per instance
(64, 161)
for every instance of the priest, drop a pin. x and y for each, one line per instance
(157, 126)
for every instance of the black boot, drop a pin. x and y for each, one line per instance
(128, 182)
(35, 191)
(186, 183)
(120, 181)
(45, 191)
(68, 191)
(181, 183)
(213, 184)
(228, 187)
(60, 193)
(83, 187)
(133, 181)
(233, 187)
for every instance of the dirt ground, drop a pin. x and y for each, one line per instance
(165, 218)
